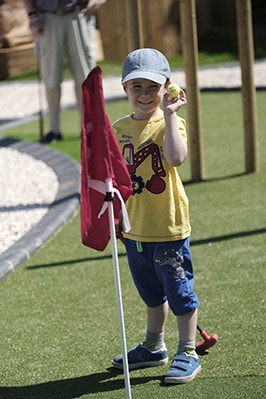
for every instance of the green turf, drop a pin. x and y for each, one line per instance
(58, 310)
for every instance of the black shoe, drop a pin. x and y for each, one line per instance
(51, 137)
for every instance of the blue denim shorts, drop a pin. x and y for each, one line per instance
(163, 271)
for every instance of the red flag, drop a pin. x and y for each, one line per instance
(101, 158)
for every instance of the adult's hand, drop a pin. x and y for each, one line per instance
(36, 25)
(93, 6)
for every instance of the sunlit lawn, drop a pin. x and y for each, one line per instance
(58, 310)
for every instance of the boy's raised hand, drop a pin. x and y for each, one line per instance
(173, 104)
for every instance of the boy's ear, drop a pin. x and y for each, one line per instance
(125, 88)
(167, 83)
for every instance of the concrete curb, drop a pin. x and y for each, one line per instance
(60, 211)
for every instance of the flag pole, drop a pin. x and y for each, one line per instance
(109, 200)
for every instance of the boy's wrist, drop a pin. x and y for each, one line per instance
(169, 112)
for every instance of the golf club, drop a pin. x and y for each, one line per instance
(207, 342)
(38, 54)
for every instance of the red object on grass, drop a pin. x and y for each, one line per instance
(208, 341)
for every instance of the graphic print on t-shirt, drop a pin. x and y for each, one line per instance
(155, 184)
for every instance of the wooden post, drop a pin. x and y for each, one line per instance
(133, 31)
(190, 53)
(246, 55)
(140, 24)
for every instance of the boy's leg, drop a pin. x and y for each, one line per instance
(152, 352)
(174, 268)
(187, 326)
(156, 318)
(185, 365)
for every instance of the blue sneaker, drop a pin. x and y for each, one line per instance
(184, 368)
(140, 356)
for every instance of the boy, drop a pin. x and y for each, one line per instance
(153, 141)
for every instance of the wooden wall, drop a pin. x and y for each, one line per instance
(160, 24)
(160, 27)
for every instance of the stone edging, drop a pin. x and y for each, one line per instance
(60, 211)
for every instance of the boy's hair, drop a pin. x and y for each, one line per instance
(146, 63)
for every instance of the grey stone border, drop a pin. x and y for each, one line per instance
(60, 211)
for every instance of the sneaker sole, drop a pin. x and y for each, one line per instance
(181, 380)
(141, 365)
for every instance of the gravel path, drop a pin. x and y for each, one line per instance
(24, 99)
(28, 187)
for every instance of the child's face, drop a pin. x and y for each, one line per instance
(145, 96)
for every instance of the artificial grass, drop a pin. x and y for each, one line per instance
(58, 310)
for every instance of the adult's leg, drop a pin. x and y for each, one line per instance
(52, 61)
(78, 93)
(80, 46)
(53, 96)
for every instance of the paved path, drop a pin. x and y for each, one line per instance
(20, 101)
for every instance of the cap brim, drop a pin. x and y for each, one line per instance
(155, 77)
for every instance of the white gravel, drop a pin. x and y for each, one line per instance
(27, 187)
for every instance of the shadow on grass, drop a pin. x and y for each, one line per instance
(203, 241)
(215, 179)
(72, 387)
(227, 237)
(74, 261)
(22, 207)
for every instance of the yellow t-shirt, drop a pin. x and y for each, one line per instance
(158, 209)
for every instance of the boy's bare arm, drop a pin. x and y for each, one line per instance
(175, 146)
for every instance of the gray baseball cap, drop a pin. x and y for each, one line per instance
(146, 63)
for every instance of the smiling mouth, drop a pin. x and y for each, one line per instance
(146, 103)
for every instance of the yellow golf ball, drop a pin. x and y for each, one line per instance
(173, 91)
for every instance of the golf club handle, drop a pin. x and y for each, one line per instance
(199, 329)
(203, 334)
(206, 336)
